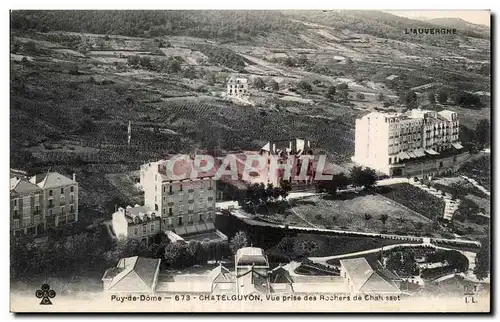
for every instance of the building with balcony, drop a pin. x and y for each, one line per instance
(59, 197)
(394, 143)
(43, 202)
(183, 198)
(26, 208)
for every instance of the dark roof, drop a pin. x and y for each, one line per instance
(370, 277)
(145, 268)
(22, 186)
(51, 180)
(279, 275)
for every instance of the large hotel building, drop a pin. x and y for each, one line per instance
(407, 143)
(185, 206)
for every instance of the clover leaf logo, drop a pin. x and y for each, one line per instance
(45, 293)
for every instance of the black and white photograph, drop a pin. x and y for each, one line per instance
(250, 161)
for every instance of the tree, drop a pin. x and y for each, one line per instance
(259, 83)
(145, 62)
(442, 96)
(482, 132)
(290, 62)
(409, 98)
(344, 96)
(341, 180)
(133, 60)
(363, 177)
(302, 60)
(330, 93)
(368, 216)
(431, 97)
(210, 78)
(286, 245)
(305, 86)
(274, 85)
(383, 218)
(342, 87)
(238, 241)
(286, 186)
(360, 96)
(482, 268)
(174, 253)
(380, 97)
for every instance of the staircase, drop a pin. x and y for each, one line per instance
(450, 206)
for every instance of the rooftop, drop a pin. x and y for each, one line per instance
(251, 255)
(51, 180)
(176, 169)
(20, 186)
(144, 268)
(368, 277)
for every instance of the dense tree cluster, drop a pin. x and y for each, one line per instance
(260, 194)
(465, 99)
(403, 263)
(223, 56)
(239, 240)
(358, 177)
(232, 25)
(180, 255)
(482, 269)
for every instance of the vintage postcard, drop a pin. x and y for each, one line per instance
(250, 161)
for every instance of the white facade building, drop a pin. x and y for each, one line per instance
(237, 86)
(386, 141)
(136, 222)
(186, 205)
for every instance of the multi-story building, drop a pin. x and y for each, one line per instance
(136, 222)
(26, 204)
(186, 205)
(237, 86)
(45, 201)
(386, 142)
(60, 198)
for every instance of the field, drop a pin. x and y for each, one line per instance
(358, 213)
(321, 245)
(415, 199)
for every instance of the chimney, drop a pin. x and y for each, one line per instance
(74, 176)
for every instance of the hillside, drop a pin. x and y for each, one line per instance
(461, 25)
(78, 78)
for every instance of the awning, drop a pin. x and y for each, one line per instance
(419, 153)
(457, 146)
(412, 155)
(431, 152)
(191, 230)
(201, 227)
(403, 156)
(180, 231)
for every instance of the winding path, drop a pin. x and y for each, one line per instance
(471, 256)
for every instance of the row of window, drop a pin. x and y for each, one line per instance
(190, 187)
(36, 220)
(145, 229)
(191, 209)
(71, 190)
(180, 219)
(27, 200)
